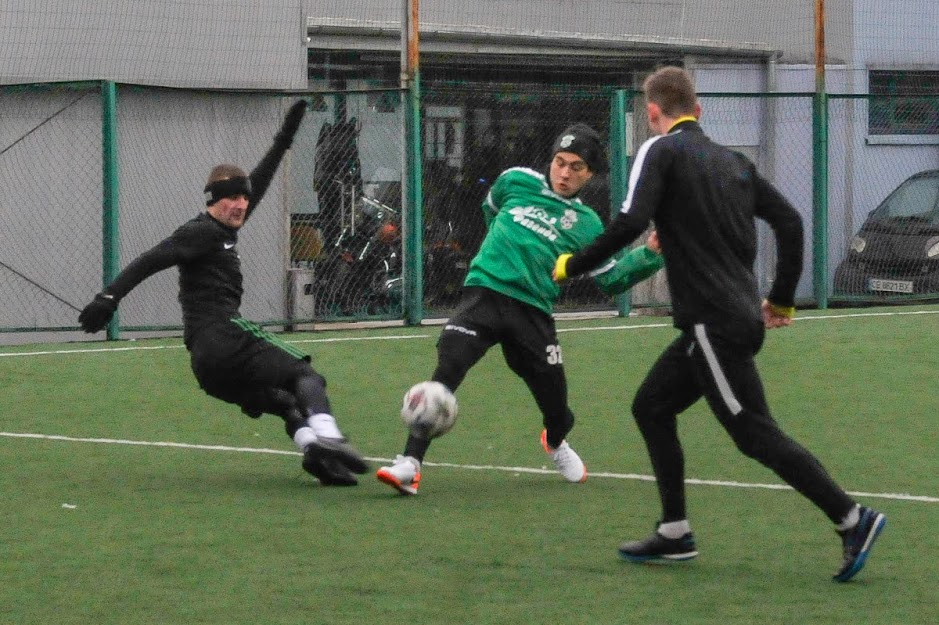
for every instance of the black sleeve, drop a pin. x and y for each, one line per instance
(188, 242)
(263, 173)
(156, 259)
(775, 209)
(622, 231)
(646, 185)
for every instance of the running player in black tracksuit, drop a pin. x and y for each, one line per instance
(703, 199)
(234, 359)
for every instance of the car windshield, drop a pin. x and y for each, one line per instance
(916, 200)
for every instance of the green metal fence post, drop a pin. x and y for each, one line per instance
(109, 183)
(414, 217)
(820, 200)
(820, 165)
(619, 171)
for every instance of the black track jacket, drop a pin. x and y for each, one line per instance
(703, 199)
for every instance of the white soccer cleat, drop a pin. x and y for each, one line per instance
(404, 475)
(568, 463)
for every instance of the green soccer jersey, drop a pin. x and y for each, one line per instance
(529, 227)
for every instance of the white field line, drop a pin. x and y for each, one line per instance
(99, 350)
(467, 467)
(402, 337)
(797, 319)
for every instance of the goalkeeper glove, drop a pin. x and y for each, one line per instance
(96, 315)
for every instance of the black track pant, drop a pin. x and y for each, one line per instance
(718, 364)
(530, 347)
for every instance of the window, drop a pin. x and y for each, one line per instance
(916, 200)
(904, 102)
(443, 135)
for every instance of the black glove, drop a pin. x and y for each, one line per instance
(291, 123)
(98, 313)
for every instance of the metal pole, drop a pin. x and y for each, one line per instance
(820, 166)
(412, 219)
(619, 172)
(767, 164)
(110, 244)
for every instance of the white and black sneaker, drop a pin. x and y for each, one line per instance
(658, 548)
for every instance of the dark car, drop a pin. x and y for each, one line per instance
(896, 251)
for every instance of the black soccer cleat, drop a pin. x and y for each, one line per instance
(340, 450)
(658, 548)
(858, 541)
(329, 471)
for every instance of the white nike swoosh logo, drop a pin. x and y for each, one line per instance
(228, 246)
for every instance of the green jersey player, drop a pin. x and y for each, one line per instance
(508, 295)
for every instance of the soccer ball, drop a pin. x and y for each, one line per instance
(429, 409)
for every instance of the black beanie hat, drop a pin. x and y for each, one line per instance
(582, 140)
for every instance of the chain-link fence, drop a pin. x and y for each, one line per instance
(325, 244)
(472, 133)
(346, 224)
(50, 225)
(883, 199)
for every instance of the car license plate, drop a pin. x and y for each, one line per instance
(893, 286)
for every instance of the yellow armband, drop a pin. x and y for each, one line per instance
(560, 267)
(783, 311)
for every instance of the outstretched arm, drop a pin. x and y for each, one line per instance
(632, 268)
(622, 231)
(646, 187)
(97, 314)
(187, 243)
(263, 173)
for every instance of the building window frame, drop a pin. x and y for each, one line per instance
(903, 107)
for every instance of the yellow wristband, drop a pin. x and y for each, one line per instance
(560, 267)
(783, 311)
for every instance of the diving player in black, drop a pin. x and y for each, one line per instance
(232, 358)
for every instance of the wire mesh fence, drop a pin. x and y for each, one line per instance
(50, 224)
(883, 190)
(472, 133)
(346, 233)
(325, 244)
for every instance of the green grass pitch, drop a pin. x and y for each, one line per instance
(128, 496)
